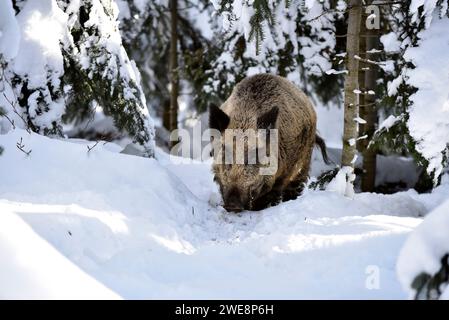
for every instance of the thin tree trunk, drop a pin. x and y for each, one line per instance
(361, 145)
(166, 114)
(173, 65)
(370, 116)
(351, 84)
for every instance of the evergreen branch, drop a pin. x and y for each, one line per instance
(13, 104)
(3, 114)
(17, 113)
(102, 137)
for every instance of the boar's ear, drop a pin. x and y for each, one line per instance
(268, 120)
(217, 118)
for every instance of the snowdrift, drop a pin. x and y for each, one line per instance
(100, 224)
(423, 253)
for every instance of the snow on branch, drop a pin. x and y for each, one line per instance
(333, 71)
(369, 61)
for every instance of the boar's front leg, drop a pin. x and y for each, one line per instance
(271, 198)
(293, 189)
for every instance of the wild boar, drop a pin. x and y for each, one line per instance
(264, 102)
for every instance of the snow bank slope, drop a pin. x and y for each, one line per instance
(424, 251)
(31, 268)
(145, 229)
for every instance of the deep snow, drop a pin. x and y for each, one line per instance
(425, 248)
(101, 224)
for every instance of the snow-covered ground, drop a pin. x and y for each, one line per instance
(101, 224)
(423, 252)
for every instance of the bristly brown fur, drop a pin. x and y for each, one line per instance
(251, 100)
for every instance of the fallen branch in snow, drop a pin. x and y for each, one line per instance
(102, 137)
(90, 148)
(21, 147)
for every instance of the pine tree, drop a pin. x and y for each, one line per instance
(289, 38)
(174, 71)
(100, 72)
(37, 95)
(429, 287)
(405, 25)
(9, 44)
(146, 30)
(87, 70)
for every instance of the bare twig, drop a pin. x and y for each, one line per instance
(17, 113)
(13, 104)
(102, 137)
(93, 146)
(10, 120)
(21, 147)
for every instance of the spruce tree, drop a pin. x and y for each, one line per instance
(87, 70)
(405, 24)
(100, 73)
(146, 29)
(293, 39)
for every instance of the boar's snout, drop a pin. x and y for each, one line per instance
(233, 201)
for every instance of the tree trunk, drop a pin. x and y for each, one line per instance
(173, 64)
(351, 84)
(361, 145)
(166, 114)
(370, 116)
